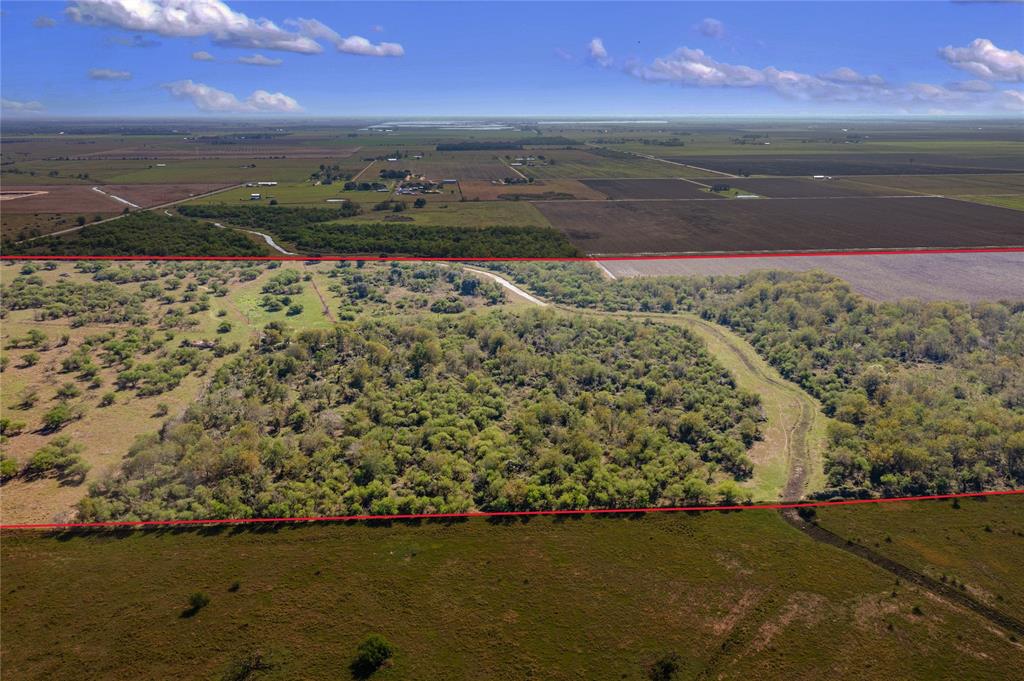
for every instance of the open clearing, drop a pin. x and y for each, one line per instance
(927, 276)
(638, 227)
(548, 598)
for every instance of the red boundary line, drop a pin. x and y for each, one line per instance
(498, 514)
(375, 258)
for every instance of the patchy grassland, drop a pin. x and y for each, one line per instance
(735, 596)
(975, 544)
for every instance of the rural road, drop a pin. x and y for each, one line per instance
(117, 198)
(118, 217)
(266, 237)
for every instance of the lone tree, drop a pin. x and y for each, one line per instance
(371, 655)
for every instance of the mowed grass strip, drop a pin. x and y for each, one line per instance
(550, 598)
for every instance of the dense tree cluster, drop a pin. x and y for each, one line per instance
(143, 233)
(491, 411)
(268, 217)
(928, 397)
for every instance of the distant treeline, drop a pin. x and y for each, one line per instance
(503, 146)
(312, 231)
(430, 241)
(269, 217)
(143, 233)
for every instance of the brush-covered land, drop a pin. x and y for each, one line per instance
(926, 397)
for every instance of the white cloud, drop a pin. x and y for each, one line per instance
(211, 99)
(109, 74)
(986, 61)
(971, 86)
(694, 68)
(359, 45)
(191, 18)
(259, 60)
(203, 55)
(1012, 100)
(845, 74)
(15, 105)
(597, 52)
(44, 22)
(351, 45)
(711, 28)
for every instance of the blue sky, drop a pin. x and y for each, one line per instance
(176, 58)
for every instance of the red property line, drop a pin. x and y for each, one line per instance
(401, 258)
(499, 514)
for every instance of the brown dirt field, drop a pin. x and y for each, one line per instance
(951, 185)
(651, 189)
(647, 227)
(64, 198)
(485, 191)
(797, 187)
(147, 195)
(771, 162)
(970, 277)
(15, 224)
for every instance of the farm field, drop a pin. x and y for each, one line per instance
(30, 199)
(538, 190)
(970, 277)
(800, 187)
(637, 227)
(552, 598)
(651, 189)
(771, 162)
(584, 164)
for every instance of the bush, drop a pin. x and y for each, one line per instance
(108, 399)
(8, 468)
(196, 602)
(30, 360)
(59, 457)
(294, 309)
(58, 416)
(665, 668)
(372, 653)
(224, 327)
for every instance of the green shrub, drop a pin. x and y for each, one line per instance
(371, 655)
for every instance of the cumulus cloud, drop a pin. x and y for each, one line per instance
(109, 74)
(845, 74)
(189, 19)
(203, 55)
(971, 86)
(983, 59)
(354, 44)
(210, 99)
(597, 52)
(18, 106)
(259, 60)
(1012, 100)
(695, 68)
(711, 28)
(44, 22)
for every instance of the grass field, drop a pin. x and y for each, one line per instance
(735, 596)
(977, 543)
